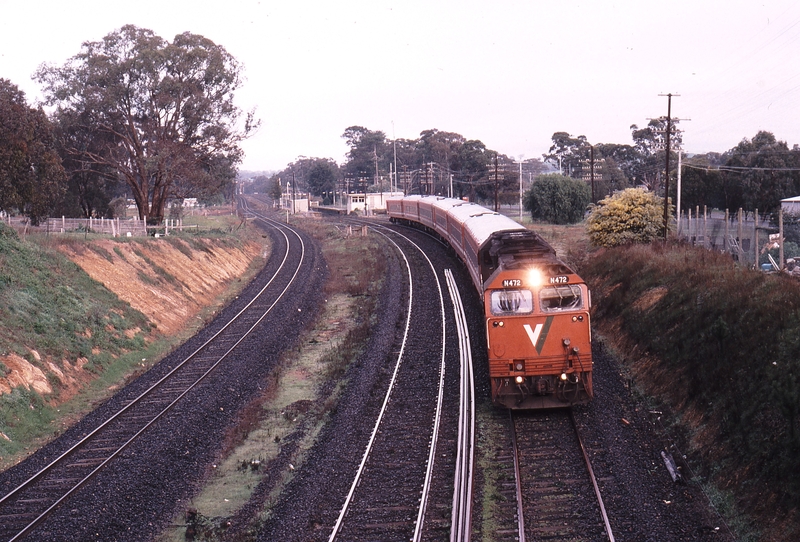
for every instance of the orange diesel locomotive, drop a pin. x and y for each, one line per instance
(536, 307)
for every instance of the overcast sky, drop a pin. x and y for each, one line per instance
(507, 72)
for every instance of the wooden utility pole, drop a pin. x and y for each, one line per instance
(591, 170)
(666, 178)
(496, 186)
(520, 162)
(294, 183)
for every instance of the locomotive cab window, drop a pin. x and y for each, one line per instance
(511, 302)
(560, 298)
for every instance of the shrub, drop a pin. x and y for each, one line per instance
(633, 215)
(558, 199)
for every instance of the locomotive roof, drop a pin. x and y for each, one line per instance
(484, 225)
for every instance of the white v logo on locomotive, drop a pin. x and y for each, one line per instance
(533, 335)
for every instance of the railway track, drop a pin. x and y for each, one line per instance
(28, 504)
(557, 495)
(461, 516)
(388, 495)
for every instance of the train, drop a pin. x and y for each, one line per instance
(536, 308)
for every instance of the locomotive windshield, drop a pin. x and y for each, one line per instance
(511, 302)
(560, 298)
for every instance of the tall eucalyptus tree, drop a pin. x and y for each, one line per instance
(163, 112)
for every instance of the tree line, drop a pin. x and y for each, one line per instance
(437, 162)
(756, 174)
(133, 115)
(136, 116)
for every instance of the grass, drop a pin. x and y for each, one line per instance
(724, 359)
(50, 310)
(50, 303)
(489, 431)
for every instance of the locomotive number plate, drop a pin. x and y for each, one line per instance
(561, 279)
(512, 283)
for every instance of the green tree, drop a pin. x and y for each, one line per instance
(612, 162)
(610, 179)
(764, 167)
(650, 142)
(164, 111)
(623, 157)
(470, 165)
(32, 178)
(91, 186)
(275, 190)
(258, 185)
(634, 215)
(365, 145)
(322, 176)
(314, 175)
(557, 199)
(568, 153)
(704, 184)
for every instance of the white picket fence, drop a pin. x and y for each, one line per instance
(115, 227)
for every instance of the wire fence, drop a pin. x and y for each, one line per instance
(743, 235)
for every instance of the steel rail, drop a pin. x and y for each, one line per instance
(517, 478)
(606, 522)
(438, 416)
(50, 466)
(461, 517)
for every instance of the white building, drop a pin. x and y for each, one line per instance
(791, 206)
(369, 202)
(297, 205)
(293, 201)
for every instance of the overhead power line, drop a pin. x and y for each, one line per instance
(737, 169)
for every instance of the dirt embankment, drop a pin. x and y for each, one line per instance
(168, 280)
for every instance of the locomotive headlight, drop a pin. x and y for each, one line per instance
(566, 342)
(535, 277)
(519, 379)
(564, 377)
(519, 366)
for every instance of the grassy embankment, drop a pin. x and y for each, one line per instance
(66, 341)
(718, 347)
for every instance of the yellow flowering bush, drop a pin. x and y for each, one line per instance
(633, 215)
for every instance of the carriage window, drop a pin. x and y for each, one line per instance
(560, 298)
(511, 302)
